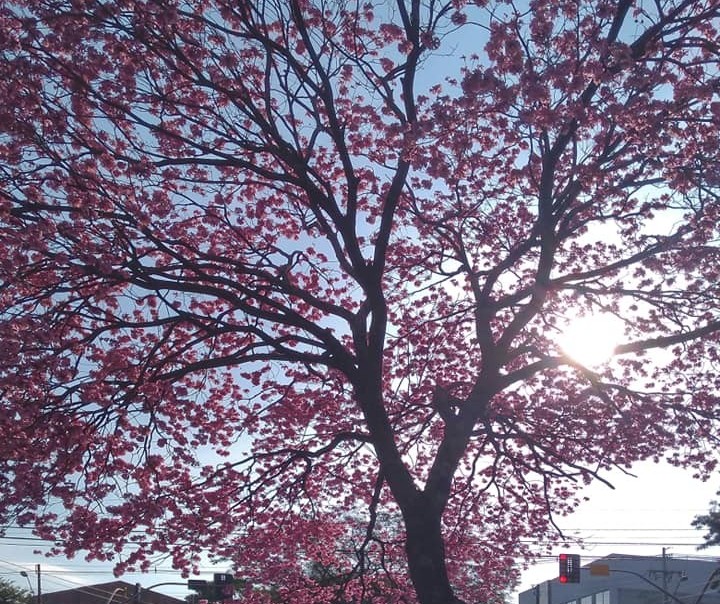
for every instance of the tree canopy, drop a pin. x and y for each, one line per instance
(711, 523)
(283, 281)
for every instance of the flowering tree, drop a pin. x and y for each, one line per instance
(283, 280)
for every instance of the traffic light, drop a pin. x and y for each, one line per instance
(224, 584)
(221, 589)
(569, 568)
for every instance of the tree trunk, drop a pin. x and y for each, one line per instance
(426, 555)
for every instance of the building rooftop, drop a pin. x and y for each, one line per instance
(114, 592)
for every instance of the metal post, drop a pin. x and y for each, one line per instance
(39, 585)
(24, 574)
(664, 574)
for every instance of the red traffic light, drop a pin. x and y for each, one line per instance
(569, 568)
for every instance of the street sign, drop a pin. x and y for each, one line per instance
(600, 570)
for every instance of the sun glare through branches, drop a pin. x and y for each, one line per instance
(591, 340)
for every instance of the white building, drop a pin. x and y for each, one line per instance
(624, 579)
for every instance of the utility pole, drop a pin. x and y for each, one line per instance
(39, 585)
(664, 574)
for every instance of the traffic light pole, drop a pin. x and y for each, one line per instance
(648, 581)
(137, 596)
(221, 580)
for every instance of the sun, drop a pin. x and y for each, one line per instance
(591, 340)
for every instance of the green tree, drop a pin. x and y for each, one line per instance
(12, 594)
(711, 523)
